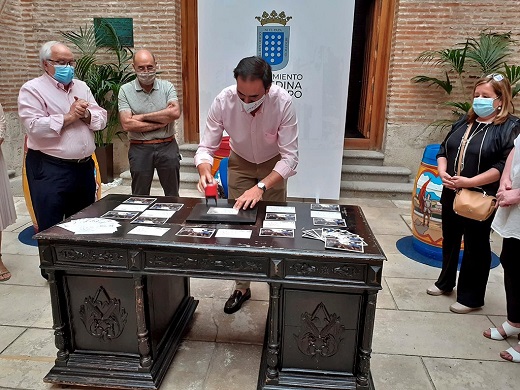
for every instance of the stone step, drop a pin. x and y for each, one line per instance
(188, 150)
(363, 175)
(375, 173)
(188, 165)
(350, 157)
(188, 180)
(363, 157)
(348, 189)
(379, 190)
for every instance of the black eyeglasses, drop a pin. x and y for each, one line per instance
(70, 63)
(149, 68)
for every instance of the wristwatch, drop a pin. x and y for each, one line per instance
(261, 186)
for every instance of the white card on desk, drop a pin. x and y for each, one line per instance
(280, 209)
(233, 233)
(149, 231)
(131, 207)
(326, 214)
(223, 211)
(158, 213)
(279, 224)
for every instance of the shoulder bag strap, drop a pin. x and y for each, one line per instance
(463, 148)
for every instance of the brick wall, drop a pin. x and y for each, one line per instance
(433, 25)
(27, 24)
(419, 25)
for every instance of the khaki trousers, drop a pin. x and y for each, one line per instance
(242, 175)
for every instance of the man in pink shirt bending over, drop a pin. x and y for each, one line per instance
(263, 130)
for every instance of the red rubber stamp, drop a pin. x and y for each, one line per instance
(211, 192)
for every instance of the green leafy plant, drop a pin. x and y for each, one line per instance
(463, 64)
(104, 77)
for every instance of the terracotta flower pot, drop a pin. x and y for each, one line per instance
(105, 158)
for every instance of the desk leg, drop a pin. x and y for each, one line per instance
(364, 380)
(61, 338)
(142, 330)
(273, 342)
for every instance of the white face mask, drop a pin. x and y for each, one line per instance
(250, 107)
(146, 78)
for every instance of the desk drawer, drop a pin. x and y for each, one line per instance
(247, 265)
(326, 270)
(88, 256)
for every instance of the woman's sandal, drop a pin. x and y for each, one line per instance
(515, 355)
(5, 275)
(509, 331)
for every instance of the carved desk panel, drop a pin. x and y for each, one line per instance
(121, 302)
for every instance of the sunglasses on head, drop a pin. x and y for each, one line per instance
(496, 76)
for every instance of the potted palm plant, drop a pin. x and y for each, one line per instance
(464, 63)
(104, 65)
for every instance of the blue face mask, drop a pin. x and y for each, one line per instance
(483, 107)
(63, 74)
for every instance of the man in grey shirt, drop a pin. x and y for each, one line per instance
(148, 108)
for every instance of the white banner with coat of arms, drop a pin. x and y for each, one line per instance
(308, 44)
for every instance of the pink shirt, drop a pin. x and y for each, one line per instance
(43, 102)
(271, 131)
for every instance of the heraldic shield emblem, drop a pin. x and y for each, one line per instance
(273, 40)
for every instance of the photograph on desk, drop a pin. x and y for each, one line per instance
(315, 234)
(114, 214)
(325, 207)
(150, 220)
(339, 239)
(329, 222)
(274, 232)
(195, 232)
(166, 206)
(139, 200)
(343, 245)
(339, 233)
(280, 217)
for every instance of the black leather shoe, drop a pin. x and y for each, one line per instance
(235, 301)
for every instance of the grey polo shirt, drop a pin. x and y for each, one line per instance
(133, 98)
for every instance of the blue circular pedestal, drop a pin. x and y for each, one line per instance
(25, 236)
(428, 254)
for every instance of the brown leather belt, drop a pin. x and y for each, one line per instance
(151, 141)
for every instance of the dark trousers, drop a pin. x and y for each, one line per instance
(58, 188)
(242, 175)
(510, 259)
(476, 260)
(163, 157)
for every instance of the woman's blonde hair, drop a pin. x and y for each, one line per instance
(502, 88)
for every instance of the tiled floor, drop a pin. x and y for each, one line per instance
(418, 343)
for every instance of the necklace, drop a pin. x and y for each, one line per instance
(465, 142)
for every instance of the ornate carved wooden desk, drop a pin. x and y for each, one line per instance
(120, 302)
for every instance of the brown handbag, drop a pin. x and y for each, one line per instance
(469, 203)
(474, 204)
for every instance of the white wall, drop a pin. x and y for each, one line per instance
(319, 61)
